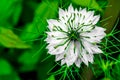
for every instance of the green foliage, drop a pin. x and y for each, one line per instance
(30, 58)
(10, 40)
(5, 67)
(6, 71)
(45, 10)
(32, 33)
(91, 4)
(102, 3)
(36, 29)
(10, 11)
(51, 78)
(116, 70)
(23, 53)
(49, 9)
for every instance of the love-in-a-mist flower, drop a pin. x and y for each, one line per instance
(74, 37)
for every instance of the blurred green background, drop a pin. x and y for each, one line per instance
(22, 32)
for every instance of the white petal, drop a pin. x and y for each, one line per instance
(83, 13)
(95, 19)
(88, 17)
(50, 48)
(76, 21)
(87, 57)
(95, 49)
(59, 57)
(87, 46)
(84, 57)
(99, 30)
(70, 55)
(90, 57)
(70, 8)
(55, 40)
(86, 28)
(63, 16)
(77, 48)
(58, 50)
(95, 35)
(63, 61)
(62, 13)
(78, 62)
(51, 40)
(56, 34)
(57, 46)
(78, 52)
(51, 24)
(54, 23)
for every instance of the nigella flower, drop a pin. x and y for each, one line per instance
(74, 37)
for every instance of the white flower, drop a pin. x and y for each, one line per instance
(74, 37)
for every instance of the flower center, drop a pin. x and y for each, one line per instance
(73, 35)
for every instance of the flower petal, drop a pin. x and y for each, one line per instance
(59, 57)
(56, 34)
(62, 13)
(87, 46)
(95, 35)
(58, 50)
(78, 62)
(57, 47)
(95, 19)
(54, 24)
(96, 50)
(88, 17)
(82, 15)
(63, 61)
(70, 8)
(84, 57)
(70, 55)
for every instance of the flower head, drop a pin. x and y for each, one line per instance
(73, 38)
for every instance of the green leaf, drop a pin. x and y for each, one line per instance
(5, 67)
(92, 4)
(30, 58)
(16, 13)
(45, 10)
(29, 33)
(5, 9)
(116, 69)
(51, 77)
(102, 3)
(12, 76)
(47, 65)
(28, 61)
(10, 40)
(10, 11)
(6, 71)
